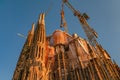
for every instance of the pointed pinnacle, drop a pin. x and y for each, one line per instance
(41, 18)
(32, 29)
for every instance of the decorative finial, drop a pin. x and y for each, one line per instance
(41, 18)
(33, 27)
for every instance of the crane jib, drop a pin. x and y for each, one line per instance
(90, 32)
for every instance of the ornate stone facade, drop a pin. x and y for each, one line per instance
(61, 56)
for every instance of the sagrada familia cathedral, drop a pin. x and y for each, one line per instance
(62, 56)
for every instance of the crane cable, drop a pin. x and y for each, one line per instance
(49, 8)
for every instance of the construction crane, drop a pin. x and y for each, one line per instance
(63, 22)
(90, 32)
(91, 35)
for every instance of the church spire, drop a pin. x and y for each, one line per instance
(30, 35)
(32, 29)
(41, 19)
(38, 51)
(35, 54)
(19, 73)
(40, 33)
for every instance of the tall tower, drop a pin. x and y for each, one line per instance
(37, 68)
(20, 67)
(31, 64)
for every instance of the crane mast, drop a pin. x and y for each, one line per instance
(63, 22)
(90, 32)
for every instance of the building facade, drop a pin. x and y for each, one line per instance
(62, 56)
